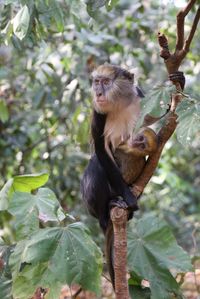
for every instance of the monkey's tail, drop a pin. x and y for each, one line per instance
(109, 251)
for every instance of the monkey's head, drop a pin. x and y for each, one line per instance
(112, 88)
(143, 144)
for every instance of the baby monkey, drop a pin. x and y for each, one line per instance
(131, 156)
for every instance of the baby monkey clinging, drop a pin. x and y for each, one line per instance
(116, 109)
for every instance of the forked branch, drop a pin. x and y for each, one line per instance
(173, 61)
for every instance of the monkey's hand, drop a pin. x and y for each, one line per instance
(121, 203)
(178, 77)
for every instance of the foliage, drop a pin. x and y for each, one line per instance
(51, 256)
(152, 253)
(48, 256)
(48, 49)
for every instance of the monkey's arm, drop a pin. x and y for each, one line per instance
(113, 173)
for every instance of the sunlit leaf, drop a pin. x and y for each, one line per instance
(29, 182)
(23, 183)
(21, 22)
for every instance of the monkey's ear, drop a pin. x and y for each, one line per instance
(139, 92)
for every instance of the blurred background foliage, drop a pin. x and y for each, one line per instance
(45, 101)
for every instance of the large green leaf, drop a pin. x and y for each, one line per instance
(56, 255)
(153, 252)
(21, 22)
(23, 183)
(29, 208)
(188, 121)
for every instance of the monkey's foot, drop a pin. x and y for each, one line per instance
(118, 202)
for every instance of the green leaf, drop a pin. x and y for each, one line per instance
(5, 194)
(156, 102)
(4, 115)
(139, 292)
(58, 16)
(5, 275)
(153, 252)
(110, 4)
(188, 121)
(28, 209)
(29, 182)
(93, 6)
(5, 288)
(24, 183)
(21, 22)
(61, 255)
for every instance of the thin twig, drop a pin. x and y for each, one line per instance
(180, 24)
(188, 41)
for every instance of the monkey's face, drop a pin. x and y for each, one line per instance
(144, 143)
(112, 88)
(102, 85)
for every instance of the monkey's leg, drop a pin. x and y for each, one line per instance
(96, 192)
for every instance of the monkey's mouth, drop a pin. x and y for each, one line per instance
(101, 100)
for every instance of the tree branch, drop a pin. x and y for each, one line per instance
(119, 220)
(188, 41)
(173, 61)
(180, 24)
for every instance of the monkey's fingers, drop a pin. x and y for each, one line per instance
(118, 202)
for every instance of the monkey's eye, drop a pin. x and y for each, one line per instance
(140, 138)
(106, 81)
(96, 81)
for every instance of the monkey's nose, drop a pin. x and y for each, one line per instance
(99, 94)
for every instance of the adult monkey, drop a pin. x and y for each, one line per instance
(116, 109)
